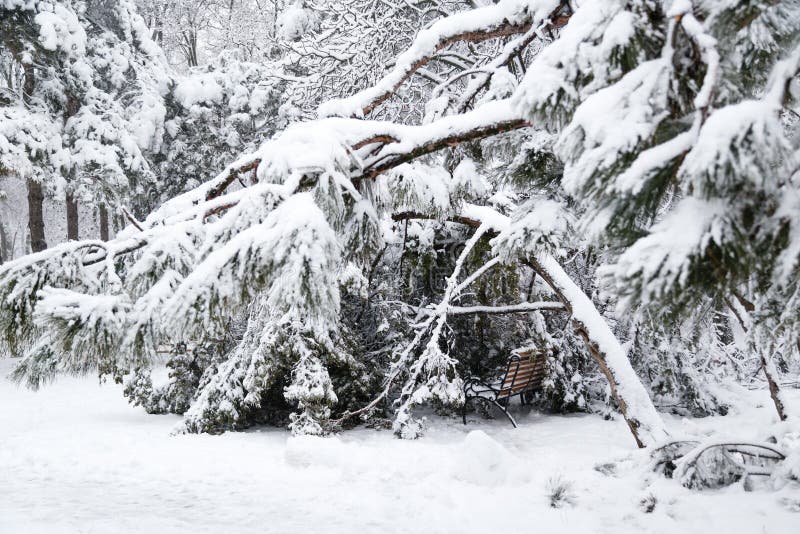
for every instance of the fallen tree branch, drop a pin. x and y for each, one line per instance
(688, 461)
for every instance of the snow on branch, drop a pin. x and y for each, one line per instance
(507, 17)
(432, 374)
(21, 281)
(206, 229)
(523, 307)
(294, 242)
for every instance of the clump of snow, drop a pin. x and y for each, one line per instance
(60, 29)
(483, 461)
(295, 21)
(662, 260)
(198, 89)
(611, 122)
(468, 179)
(502, 85)
(539, 226)
(715, 163)
(579, 52)
(420, 187)
(304, 147)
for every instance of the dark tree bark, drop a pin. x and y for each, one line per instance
(35, 193)
(72, 108)
(770, 373)
(103, 222)
(72, 218)
(36, 216)
(774, 389)
(29, 83)
(5, 253)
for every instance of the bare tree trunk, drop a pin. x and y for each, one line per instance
(190, 46)
(72, 218)
(36, 216)
(35, 194)
(103, 222)
(72, 108)
(5, 253)
(774, 389)
(29, 83)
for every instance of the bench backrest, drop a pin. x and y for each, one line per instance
(524, 371)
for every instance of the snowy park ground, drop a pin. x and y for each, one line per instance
(75, 457)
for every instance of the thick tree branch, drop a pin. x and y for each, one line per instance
(389, 160)
(222, 184)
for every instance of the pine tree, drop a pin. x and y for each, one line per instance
(82, 116)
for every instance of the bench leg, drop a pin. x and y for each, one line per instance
(505, 411)
(464, 410)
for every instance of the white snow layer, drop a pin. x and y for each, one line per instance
(76, 458)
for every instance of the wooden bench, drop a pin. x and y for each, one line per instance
(523, 375)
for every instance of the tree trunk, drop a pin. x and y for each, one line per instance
(632, 398)
(103, 222)
(35, 194)
(774, 389)
(5, 252)
(770, 372)
(36, 216)
(72, 218)
(29, 83)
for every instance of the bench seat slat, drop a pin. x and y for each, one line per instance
(522, 377)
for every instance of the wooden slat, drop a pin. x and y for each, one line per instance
(521, 377)
(526, 373)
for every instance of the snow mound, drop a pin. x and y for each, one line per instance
(484, 461)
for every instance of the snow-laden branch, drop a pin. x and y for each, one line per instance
(714, 463)
(522, 307)
(433, 374)
(363, 148)
(507, 17)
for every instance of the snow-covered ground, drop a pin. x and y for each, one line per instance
(74, 457)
